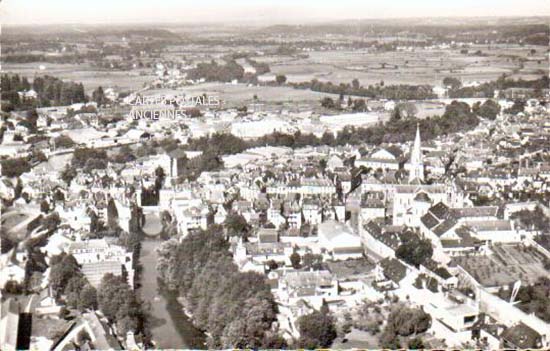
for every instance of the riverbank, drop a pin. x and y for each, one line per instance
(170, 327)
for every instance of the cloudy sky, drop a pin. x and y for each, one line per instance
(254, 11)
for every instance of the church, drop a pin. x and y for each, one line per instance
(411, 201)
(408, 200)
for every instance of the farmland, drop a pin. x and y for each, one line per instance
(417, 66)
(89, 76)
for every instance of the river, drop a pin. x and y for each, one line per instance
(170, 327)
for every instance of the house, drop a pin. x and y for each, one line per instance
(46, 305)
(380, 241)
(310, 286)
(97, 257)
(100, 334)
(267, 235)
(292, 211)
(457, 231)
(455, 311)
(191, 218)
(372, 207)
(220, 215)
(334, 162)
(338, 241)
(312, 212)
(254, 256)
(381, 158)
(411, 202)
(274, 214)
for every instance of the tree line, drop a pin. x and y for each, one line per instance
(214, 72)
(50, 91)
(237, 309)
(378, 91)
(487, 89)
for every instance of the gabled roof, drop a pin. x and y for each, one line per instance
(445, 226)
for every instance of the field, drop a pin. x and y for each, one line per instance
(506, 265)
(238, 94)
(89, 76)
(420, 66)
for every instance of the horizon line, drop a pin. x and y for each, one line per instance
(257, 22)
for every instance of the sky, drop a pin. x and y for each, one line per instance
(253, 11)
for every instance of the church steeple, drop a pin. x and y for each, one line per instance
(416, 165)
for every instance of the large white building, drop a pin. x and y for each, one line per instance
(97, 257)
(338, 241)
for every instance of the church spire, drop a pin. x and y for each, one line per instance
(416, 168)
(416, 153)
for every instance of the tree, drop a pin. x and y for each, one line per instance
(236, 225)
(44, 206)
(414, 250)
(327, 138)
(517, 107)
(280, 79)
(489, 109)
(236, 308)
(316, 329)
(416, 344)
(87, 298)
(389, 339)
(355, 84)
(14, 167)
(328, 102)
(32, 118)
(406, 109)
(359, 105)
(51, 222)
(62, 268)
(63, 142)
(406, 321)
(272, 265)
(112, 215)
(295, 260)
(453, 83)
(99, 96)
(396, 115)
(68, 174)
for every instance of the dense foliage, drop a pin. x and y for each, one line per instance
(403, 321)
(50, 91)
(487, 90)
(88, 159)
(14, 167)
(380, 91)
(214, 72)
(237, 309)
(120, 304)
(67, 280)
(414, 250)
(317, 329)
